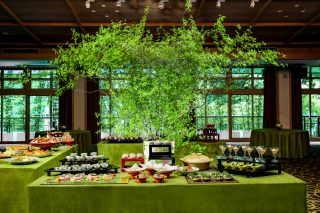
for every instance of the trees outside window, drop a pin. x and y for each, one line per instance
(27, 108)
(310, 86)
(237, 109)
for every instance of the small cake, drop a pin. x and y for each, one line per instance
(67, 137)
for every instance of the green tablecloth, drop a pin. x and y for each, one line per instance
(293, 143)
(81, 137)
(115, 150)
(274, 194)
(15, 178)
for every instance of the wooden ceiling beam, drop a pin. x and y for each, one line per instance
(308, 24)
(75, 15)
(262, 9)
(196, 16)
(156, 24)
(19, 21)
(53, 44)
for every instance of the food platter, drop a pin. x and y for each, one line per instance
(22, 160)
(44, 146)
(83, 168)
(81, 179)
(210, 177)
(44, 155)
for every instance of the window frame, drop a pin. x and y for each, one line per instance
(26, 91)
(229, 79)
(310, 91)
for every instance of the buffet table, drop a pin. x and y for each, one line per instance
(15, 178)
(81, 137)
(293, 143)
(275, 193)
(114, 151)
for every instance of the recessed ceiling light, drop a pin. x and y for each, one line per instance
(93, 11)
(296, 5)
(117, 11)
(107, 16)
(302, 11)
(286, 16)
(103, 5)
(279, 11)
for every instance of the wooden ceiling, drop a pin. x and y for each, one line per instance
(47, 23)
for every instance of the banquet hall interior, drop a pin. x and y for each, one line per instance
(255, 119)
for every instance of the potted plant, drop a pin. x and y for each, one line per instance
(161, 78)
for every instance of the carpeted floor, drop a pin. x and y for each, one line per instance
(308, 170)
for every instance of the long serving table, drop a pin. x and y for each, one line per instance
(275, 193)
(293, 143)
(15, 178)
(81, 137)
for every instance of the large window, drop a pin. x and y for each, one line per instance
(311, 101)
(108, 110)
(27, 108)
(237, 110)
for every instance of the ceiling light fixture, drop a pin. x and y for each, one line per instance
(118, 3)
(161, 5)
(253, 3)
(302, 11)
(93, 11)
(88, 3)
(103, 5)
(218, 5)
(296, 5)
(279, 11)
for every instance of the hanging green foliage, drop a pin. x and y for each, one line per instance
(161, 73)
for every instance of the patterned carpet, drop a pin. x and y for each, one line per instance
(309, 171)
